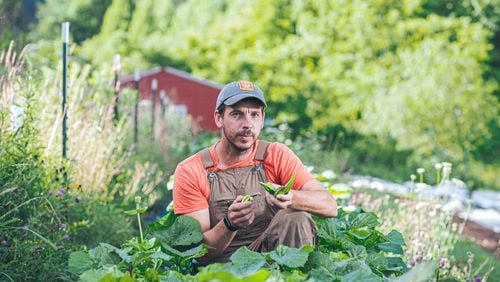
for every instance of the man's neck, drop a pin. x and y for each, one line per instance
(228, 155)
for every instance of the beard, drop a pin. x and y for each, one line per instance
(232, 141)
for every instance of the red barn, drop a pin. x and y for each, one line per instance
(198, 95)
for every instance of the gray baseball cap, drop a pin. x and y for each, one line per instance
(236, 91)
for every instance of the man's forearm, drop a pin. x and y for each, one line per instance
(320, 203)
(218, 238)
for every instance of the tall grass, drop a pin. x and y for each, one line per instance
(31, 221)
(95, 143)
(50, 206)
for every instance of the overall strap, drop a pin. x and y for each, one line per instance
(206, 158)
(260, 154)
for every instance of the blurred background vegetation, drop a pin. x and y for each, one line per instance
(389, 85)
(360, 87)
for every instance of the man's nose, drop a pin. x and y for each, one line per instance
(247, 121)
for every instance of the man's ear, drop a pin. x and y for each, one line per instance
(218, 119)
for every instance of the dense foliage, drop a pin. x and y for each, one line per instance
(49, 206)
(356, 86)
(410, 74)
(349, 248)
(416, 77)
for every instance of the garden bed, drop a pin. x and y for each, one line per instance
(481, 235)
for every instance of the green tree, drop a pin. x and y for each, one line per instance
(117, 17)
(85, 18)
(403, 71)
(15, 20)
(113, 37)
(433, 99)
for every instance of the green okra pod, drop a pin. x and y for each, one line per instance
(247, 198)
(282, 190)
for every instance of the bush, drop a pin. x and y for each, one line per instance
(45, 211)
(29, 222)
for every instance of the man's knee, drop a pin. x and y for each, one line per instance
(288, 227)
(289, 219)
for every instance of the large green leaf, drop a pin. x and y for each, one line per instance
(195, 252)
(105, 254)
(145, 256)
(258, 276)
(213, 267)
(357, 252)
(245, 262)
(184, 232)
(395, 237)
(294, 275)
(357, 270)
(124, 254)
(217, 276)
(375, 239)
(80, 262)
(107, 273)
(396, 264)
(225, 276)
(322, 274)
(326, 229)
(163, 223)
(114, 277)
(377, 263)
(422, 272)
(289, 257)
(338, 256)
(172, 276)
(368, 220)
(376, 260)
(391, 248)
(160, 255)
(343, 243)
(362, 275)
(360, 233)
(318, 260)
(152, 275)
(91, 275)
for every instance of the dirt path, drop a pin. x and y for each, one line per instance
(481, 235)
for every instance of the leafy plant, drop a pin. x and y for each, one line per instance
(353, 234)
(349, 248)
(170, 245)
(51, 207)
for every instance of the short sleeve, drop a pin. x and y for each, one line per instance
(281, 163)
(188, 191)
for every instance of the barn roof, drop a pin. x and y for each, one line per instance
(172, 71)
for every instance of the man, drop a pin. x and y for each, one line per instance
(210, 185)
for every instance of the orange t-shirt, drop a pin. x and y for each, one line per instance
(191, 188)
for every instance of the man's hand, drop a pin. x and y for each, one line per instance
(241, 214)
(280, 201)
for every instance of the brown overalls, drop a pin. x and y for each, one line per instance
(270, 228)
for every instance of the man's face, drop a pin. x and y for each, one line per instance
(241, 124)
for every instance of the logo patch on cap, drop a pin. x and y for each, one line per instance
(246, 85)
